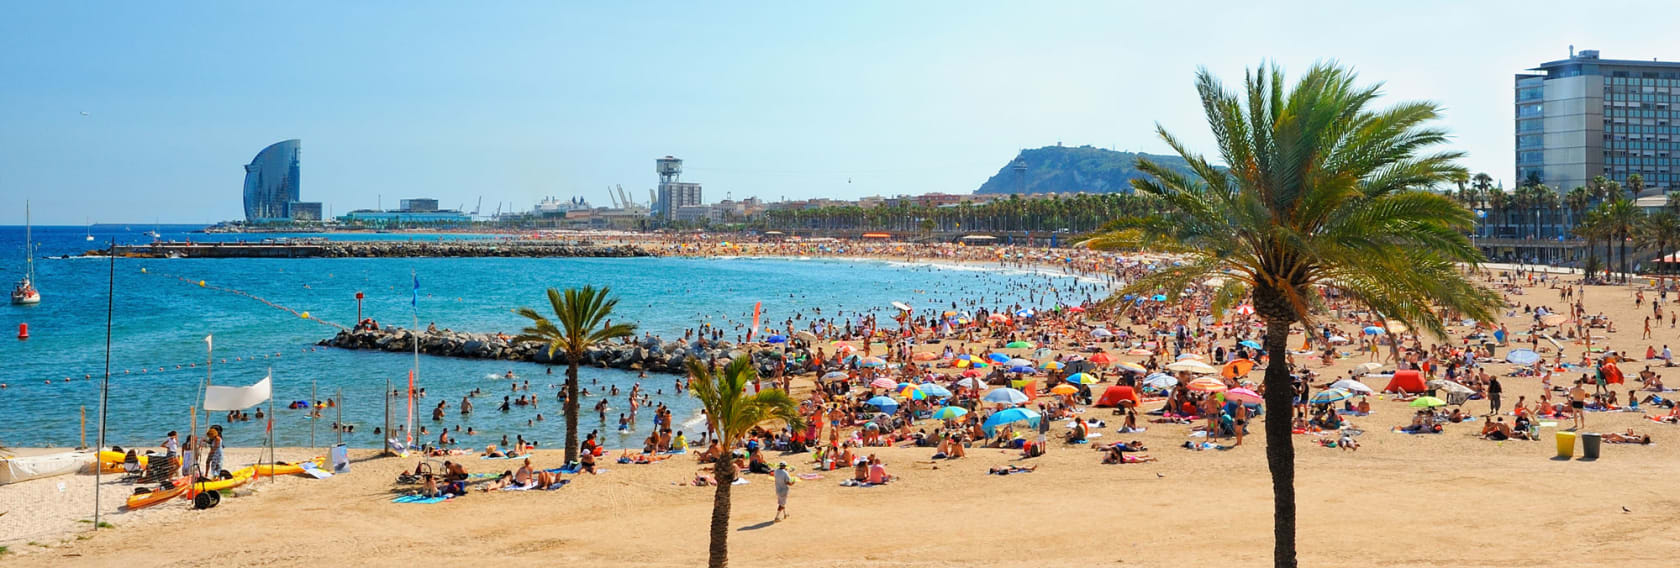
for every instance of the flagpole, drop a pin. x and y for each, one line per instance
(209, 369)
(414, 373)
(105, 384)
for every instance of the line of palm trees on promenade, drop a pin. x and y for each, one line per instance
(1603, 210)
(1079, 213)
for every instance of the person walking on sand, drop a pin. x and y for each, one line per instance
(1578, 404)
(1494, 389)
(784, 482)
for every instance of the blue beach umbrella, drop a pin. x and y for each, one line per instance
(1374, 330)
(1005, 396)
(886, 404)
(1023, 369)
(998, 358)
(1331, 395)
(1250, 343)
(1010, 416)
(1081, 379)
(776, 339)
(1159, 297)
(935, 391)
(1522, 356)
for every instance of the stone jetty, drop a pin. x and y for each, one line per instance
(316, 248)
(643, 353)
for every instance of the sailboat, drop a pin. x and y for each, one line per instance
(25, 292)
(90, 231)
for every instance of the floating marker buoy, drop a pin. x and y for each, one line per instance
(200, 283)
(305, 315)
(23, 331)
(142, 270)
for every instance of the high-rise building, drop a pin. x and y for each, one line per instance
(673, 194)
(271, 182)
(1583, 117)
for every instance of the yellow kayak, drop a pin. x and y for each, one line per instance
(239, 478)
(112, 462)
(285, 468)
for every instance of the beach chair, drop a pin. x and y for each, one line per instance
(158, 470)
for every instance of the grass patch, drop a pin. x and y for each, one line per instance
(105, 525)
(4, 551)
(33, 543)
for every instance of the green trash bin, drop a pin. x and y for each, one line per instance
(1589, 445)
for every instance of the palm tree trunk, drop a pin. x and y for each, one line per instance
(571, 407)
(1624, 258)
(724, 471)
(1280, 448)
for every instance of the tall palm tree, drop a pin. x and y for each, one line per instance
(1623, 219)
(584, 316)
(731, 413)
(1577, 201)
(1590, 225)
(1659, 230)
(1321, 190)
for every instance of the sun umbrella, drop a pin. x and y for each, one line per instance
(1005, 396)
(1236, 368)
(1010, 416)
(925, 356)
(1553, 319)
(1081, 378)
(911, 392)
(1159, 297)
(998, 318)
(1206, 384)
(1102, 358)
(1024, 314)
(1251, 344)
(1183, 356)
(1428, 402)
(1337, 339)
(842, 345)
(901, 305)
(1522, 356)
(1140, 352)
(971, 382)
(1133, 367)
(1100, 332)
(1053, 366)
(935, 391)
(1449, 386)
(971, 373)
(949, 412)
(1330, 396)
(1192, 366)
(1351, 385)
(1373, 330)
(1064, 389)
(1242, 395)
(1076, 309)
(998, 358)
(1394, 326)
(1019, 362)
(776, 339)
(1369, 367)
(834, 375)
(1160, 381)
(806, 336)
(872, 362)
(883, 383)
(1019, 345)
(886, 404)
(1043, 352)
(1026, 369)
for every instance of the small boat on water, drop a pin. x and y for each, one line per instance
(24, 293)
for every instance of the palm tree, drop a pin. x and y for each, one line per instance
(1577, 201)
(730, 414)
(1623, 219)
(1590, 226)
(584, 315)
(1659, 230)
(1321, 190)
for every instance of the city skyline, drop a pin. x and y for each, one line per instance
(521, 101)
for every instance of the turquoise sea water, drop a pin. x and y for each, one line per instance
(160, 321)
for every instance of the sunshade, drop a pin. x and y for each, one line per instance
(949, 412)
(1427, 402)
(1351, 385)
(1242, 395)
(1102, 358)
(1064, 389)
(1522, 357)
(886, 404)
(1206, 384)
(998, 358)
(1236, 368)
(1005, 396)
(934, 390)
(1369, 367)
(1331, 395)
(883, 383)
(1053, 366)
(1100, 332)
(1019, 345)
(1250, 343)
(901, 305)
(1192, 366)
(1449, 386)
(1081, 378)
(776, 339)
(834, 375)
(1373, 330)
(1553, 319)
(1160, 381)
(1133, 367)
(1010, 416)
(911, 392)
(872, 362)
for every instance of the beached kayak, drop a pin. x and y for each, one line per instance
(143, 500)
(112, 462)
(241, 477)
(285, 468)
(15, 469)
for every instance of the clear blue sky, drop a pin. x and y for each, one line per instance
(515, 101)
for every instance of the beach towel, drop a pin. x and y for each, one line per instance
(810, 476)
(557, 485)
(419, 499)
(533, 485)
(500, 458)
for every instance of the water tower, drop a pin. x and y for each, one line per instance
(669, 168)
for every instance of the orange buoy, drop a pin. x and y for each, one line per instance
(23, 331)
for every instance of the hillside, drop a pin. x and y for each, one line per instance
(1062, 169)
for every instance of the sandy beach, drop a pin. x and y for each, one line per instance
(1451, 499)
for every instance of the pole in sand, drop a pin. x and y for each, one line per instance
(105, 384)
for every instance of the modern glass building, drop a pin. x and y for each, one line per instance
(1583, 117)
(271, 182)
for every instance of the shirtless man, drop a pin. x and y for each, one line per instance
(1578, 404)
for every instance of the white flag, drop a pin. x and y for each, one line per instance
(237, 398)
